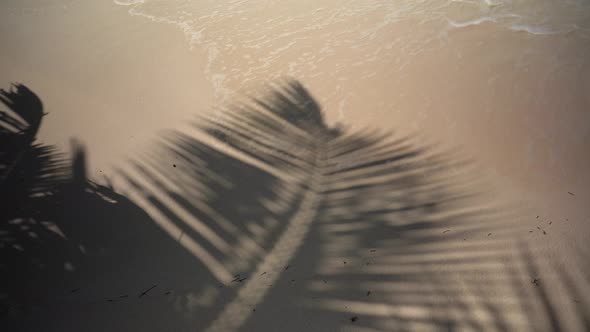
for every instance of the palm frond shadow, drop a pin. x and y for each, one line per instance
(302, 222)
(68, 246)
(265, 218)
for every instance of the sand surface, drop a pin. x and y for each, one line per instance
(514, 94)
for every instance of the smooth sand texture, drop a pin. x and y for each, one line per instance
(515, 101)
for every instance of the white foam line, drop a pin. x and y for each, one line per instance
(540, 31)
(472, 22)
(128, 2)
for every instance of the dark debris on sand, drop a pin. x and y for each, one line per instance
(147, 290)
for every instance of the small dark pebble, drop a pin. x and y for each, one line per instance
(287, 267)
(544, 233)
(173, 165)
(448, 230)
(489, 234)
(571, 193)
(75, 290)
(253, 310)
(263, 273)
(354, 319)
(167, 293)
(550, 222)
(535, 281)
(537, 217)
(325, 282)
(368, 293)
(344, 262)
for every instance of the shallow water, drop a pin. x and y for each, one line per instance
(508, 70)
(249, 40)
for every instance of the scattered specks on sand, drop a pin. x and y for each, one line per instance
(542, 230)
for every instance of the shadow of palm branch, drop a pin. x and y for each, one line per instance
(302, 222)
(69, 246)
(266, 219)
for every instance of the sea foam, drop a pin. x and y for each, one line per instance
(128, 2)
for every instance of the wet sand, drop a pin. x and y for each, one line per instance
(515, 100)
(101, 80)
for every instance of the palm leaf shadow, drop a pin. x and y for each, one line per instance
(373, 228)
(29, 174)
(68, 245)
(266, 219)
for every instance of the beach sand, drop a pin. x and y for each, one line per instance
(518, 103)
